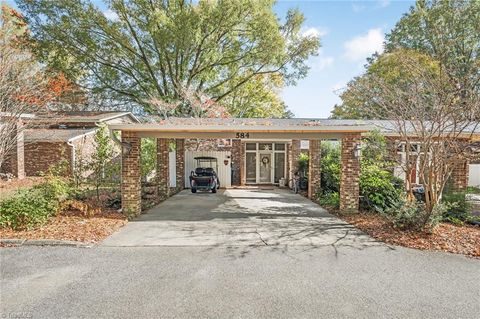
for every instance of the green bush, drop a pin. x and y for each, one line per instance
(32, 207)
(329, 199)
(459, 209)
(379, 188)
(330, 168)
(411, 215)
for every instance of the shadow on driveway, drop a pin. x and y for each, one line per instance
(239, 219)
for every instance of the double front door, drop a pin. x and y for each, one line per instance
(264, 166)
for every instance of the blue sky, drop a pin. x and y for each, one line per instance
(350, 31)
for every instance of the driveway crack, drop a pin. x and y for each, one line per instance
(260, 236)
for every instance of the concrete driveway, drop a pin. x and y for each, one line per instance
(237, 217)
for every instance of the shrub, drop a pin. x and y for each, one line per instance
(330, 168)
(379, 188)
(329, 199)
(459, 209)
(411, 215)
(303, 163)
(32, 207)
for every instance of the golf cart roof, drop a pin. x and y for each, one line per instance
(206, 158)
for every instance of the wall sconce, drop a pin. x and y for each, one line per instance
(357, 151)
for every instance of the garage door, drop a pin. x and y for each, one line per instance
(224, 171)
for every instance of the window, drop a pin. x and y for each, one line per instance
(265, 146)
(251, 146)
(279, 147)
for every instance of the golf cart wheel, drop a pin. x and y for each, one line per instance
(194, 190)
(214, 189)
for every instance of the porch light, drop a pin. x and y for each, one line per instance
(357, 152)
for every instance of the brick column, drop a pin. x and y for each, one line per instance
(294, 154)
(15, 159)
(459, 177)
(314, 168)
(350, 174)
(131, 186)
(180, 163)
(236, 161)
(243, 174)
(163, 178)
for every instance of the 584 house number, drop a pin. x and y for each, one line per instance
(242, 135)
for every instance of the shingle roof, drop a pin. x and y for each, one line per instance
(80, 116)
(54, 135)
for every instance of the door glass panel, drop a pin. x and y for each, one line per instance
(251, 167)
(265, 146)
(251, 146)
(279, 166)
(265, 168)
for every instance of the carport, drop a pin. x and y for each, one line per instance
(239, 130)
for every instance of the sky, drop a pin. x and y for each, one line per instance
(349, 31)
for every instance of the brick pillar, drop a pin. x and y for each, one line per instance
(180, 163)
(15, 160)
(131, 185)
(459, 177)
(243, 174)
(350, 174)
(236, 161)
(314, 168)
(294, 154)
(163, 178)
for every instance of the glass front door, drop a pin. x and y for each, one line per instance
(265, 167)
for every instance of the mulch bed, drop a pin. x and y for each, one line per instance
(73, 225)
(445, 237)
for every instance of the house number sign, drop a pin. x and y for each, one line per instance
(242, 135)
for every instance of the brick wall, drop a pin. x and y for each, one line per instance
(236, 160)
(350, 173)
(180, 162)
(314, 168)
(40, 156)
(294, 155)
(131, 186)
(163, 179)
(459, 177)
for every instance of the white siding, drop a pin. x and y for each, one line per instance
(172, 169)
(474, 175)
(224, 171)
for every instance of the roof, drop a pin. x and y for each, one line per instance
(54, 135)
(83, 116)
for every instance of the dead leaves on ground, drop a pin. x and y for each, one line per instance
(446, 237)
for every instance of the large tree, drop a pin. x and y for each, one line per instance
(447, 31)
(156, 49)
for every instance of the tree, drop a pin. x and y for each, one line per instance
(358, 104)
(449, 32)
(22, 82)
(103, 155)
(440, 33)
(156, 49)
(258, 98)
(430, 112)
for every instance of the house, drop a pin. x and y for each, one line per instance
(56, 136)
(255, 152)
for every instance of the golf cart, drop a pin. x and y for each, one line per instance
(204, 177)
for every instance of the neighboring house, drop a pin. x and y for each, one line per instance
(67, 136)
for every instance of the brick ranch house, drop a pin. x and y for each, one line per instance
(47, 139)
(254, 152)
